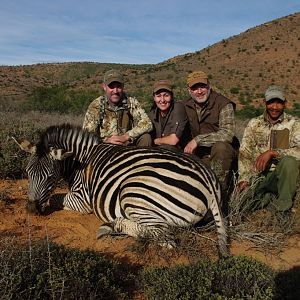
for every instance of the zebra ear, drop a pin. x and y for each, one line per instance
(60, 154)
(25, 145)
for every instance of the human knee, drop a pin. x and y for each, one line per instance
(144, 140)
(222, 151)
(289, 164)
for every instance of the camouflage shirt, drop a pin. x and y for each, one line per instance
(260, 135)
(109, 124)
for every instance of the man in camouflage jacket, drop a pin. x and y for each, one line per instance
(271, 148)
(118, 119)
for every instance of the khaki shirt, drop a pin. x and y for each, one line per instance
(140, 122)
(260, 135)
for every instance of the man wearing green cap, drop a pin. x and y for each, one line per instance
(270, 151)
(118, 119)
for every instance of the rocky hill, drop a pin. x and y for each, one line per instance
(241, 67)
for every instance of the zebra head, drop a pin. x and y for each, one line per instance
(43, 170)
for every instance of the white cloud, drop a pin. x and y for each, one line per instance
(131, 31)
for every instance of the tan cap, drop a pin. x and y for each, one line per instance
(113, 75)
(197, 77)
(162, 85)
(274, 92)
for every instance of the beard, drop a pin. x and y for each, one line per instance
(202, 99)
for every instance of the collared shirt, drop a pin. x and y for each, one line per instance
(226, 127)
(261, 135)
(110, 126)
(175, 122)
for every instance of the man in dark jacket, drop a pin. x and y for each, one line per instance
(212, 123)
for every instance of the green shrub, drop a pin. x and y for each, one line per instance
(50, 271)
(235, 90)
(231, 278)
(60, 99)
(180, 282)
(243, 278)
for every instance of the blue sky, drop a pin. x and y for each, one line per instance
(124, 31)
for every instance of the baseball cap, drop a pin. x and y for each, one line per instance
(113, 75)
(162, 85)
(274, 92)
(197, 77)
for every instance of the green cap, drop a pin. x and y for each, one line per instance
(113, 75)
(274, 92)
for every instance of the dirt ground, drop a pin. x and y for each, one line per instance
(75, 230)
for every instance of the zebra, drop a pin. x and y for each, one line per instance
(133, 190)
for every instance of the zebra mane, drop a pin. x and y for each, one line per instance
(57, 135)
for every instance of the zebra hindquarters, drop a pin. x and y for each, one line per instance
(152, 212)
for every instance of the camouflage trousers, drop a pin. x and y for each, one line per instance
(222, 159)
(144, 140)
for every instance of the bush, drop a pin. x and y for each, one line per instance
(232, 278)
(50, 271)
(235, 90)
(180, 282)
(243, 278)
(60, 99)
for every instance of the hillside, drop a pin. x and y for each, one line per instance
(241, 67)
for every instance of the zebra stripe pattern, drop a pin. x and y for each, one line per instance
(134, 190)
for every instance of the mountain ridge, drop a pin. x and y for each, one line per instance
(241, 67)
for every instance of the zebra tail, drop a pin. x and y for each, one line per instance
(221, 224)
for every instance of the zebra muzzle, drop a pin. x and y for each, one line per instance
(33, 208)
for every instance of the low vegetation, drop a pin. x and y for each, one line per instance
(48, 271)
(44, 270)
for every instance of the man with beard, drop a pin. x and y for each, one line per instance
(118, 119)
(269, 150)
(212, 124)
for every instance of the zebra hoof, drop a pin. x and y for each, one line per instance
(167, 245)
(104, 230)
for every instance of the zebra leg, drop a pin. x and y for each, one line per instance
(134, 229)
(73, 201)
(121, 226)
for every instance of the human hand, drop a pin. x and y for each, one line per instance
(242, 185)
(190, 147)
(263, 160)
(117, 139)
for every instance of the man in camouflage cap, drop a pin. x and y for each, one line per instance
(269, 151)
(212, 123)
(118, 119)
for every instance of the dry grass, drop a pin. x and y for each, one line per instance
(263, 227)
